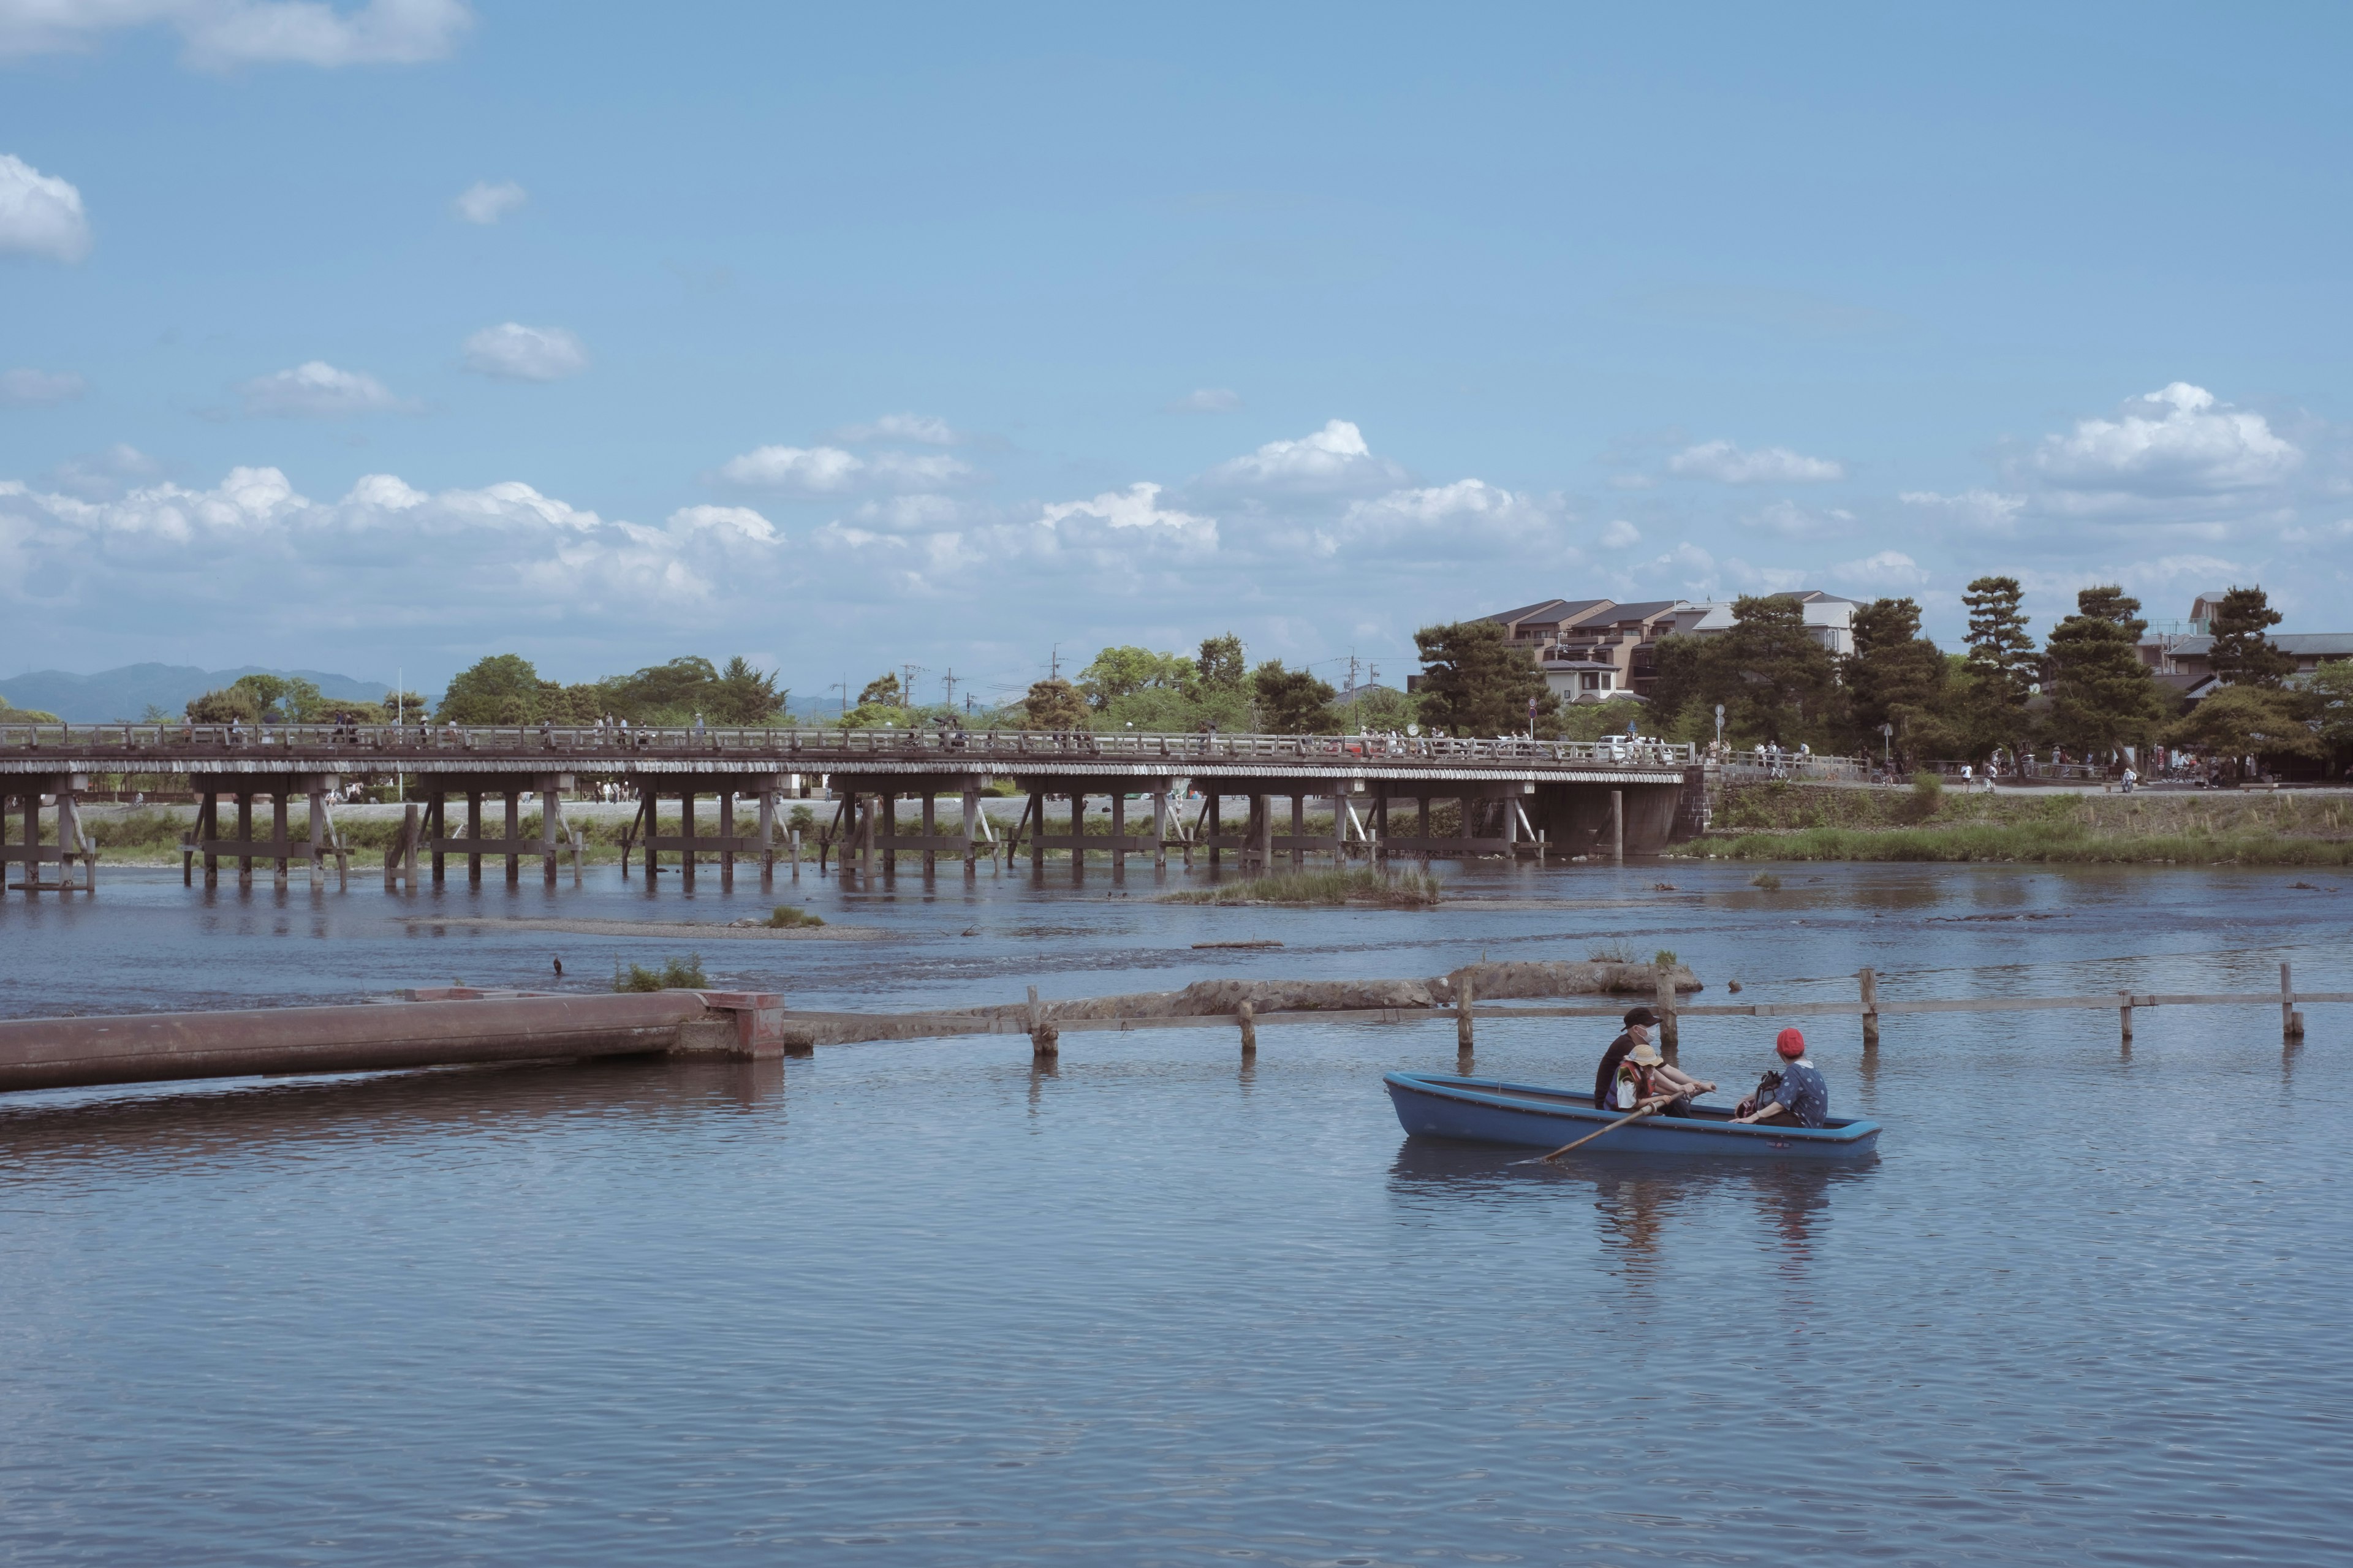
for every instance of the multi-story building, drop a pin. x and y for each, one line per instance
(2183, 658)
(1591, 650)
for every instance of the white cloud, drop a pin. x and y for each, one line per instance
(1205, 400)
(537, 554)
(829, 470)
(1331, 460)
(485, 203)
(1979, 510)
(1888, 569)
(1620, 536)
(1727, 464)
(316, 389)
(1792, 520)
(1137, 507)
(917, 513)
(103, 475)
(40, 214)
(33, 388)
(219, 35)
(512, 351)
(922, 427)
(2169, 443)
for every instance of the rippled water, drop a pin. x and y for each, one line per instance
(917, 1302)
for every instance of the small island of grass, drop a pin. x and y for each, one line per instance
(1324, 889)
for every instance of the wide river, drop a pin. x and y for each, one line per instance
(920, 1302)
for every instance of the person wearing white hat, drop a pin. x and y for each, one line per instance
(1633, 1073)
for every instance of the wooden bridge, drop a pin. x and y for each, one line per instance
(1514, 796)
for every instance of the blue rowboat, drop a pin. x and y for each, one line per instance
(1488, 1110)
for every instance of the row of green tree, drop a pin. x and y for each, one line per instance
(506, 689)
(2085, 688)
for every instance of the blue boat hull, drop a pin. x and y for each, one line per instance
(1488, 1110)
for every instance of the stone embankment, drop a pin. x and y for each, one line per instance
(445, 1027)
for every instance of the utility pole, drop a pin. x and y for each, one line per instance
(842, 685)
(907, 684)
(1352, 669)
(949, 681)
(1054, 664)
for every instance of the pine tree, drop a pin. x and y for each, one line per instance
(1476, 683)
(1895, 675)
(2104, 695)
(2243, 655)
(2002, 663)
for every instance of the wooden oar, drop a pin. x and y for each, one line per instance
(1634, 1116)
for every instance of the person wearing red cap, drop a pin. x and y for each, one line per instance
(1803, 1095)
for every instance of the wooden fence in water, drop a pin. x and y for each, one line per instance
(1045, 1029)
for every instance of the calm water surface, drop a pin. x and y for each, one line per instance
(918, 1303)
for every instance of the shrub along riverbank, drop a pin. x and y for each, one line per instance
(1801, 822)
(1395, 890)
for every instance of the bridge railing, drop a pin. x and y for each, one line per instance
(801, 750)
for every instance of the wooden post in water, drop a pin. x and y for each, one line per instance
(2124, 1020)
(1617, 826)
(1465, 994)
(1248, 1016)
(1669, 1031)
(1869, 979)
(1045, 1040)
(2291, 1021)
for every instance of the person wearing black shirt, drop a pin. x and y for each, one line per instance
(1655, 1080)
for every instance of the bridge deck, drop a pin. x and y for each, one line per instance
(201, 750)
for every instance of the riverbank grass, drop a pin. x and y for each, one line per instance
(1785, 822)
(678, 975)
(1323, 889)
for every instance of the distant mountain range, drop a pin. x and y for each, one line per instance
(128, 692)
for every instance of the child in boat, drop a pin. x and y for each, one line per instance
(1632, 1071)
(1803, 1095)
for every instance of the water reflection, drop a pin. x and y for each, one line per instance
(1637, 1198)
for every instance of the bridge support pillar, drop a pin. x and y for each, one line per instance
(1160, 830)
(514, 833)
(1118, 833)
(23, 794)
(726, 837)
(930, 825)
(278, 827)
(972, 832)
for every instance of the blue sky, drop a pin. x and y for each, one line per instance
(393, 335)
